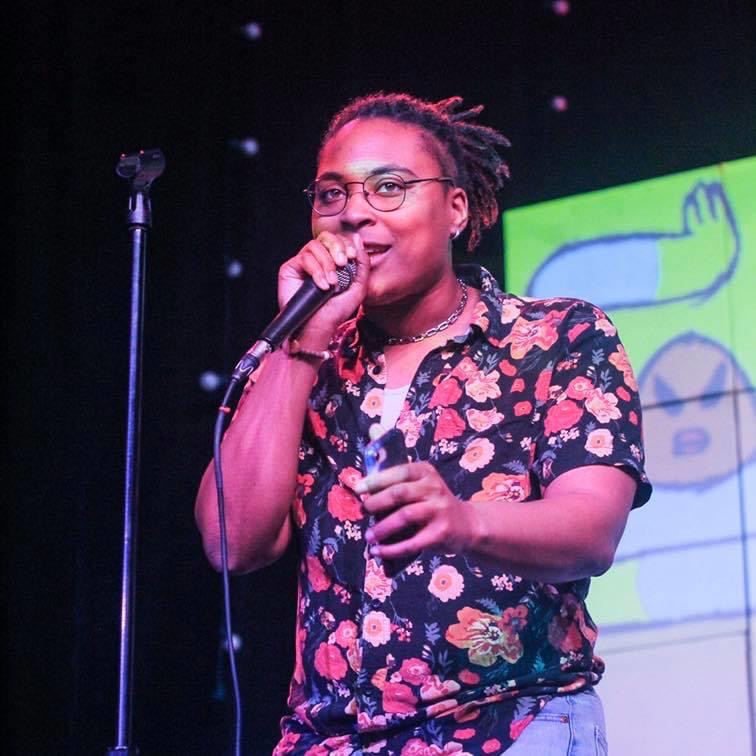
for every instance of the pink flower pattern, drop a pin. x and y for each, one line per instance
(406, 659)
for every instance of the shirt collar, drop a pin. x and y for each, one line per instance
(496, 310)
(491, 315)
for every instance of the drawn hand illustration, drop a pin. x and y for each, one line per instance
(650, 268)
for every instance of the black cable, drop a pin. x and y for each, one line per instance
(223, 412)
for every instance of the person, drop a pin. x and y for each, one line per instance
(441, 605)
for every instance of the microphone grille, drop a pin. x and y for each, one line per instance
(345, 276)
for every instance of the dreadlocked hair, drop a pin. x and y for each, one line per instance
(467, 151)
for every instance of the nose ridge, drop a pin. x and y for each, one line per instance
(357, 213)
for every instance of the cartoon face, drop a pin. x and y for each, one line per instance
(692, 416)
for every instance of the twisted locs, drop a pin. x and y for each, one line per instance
(467, 151)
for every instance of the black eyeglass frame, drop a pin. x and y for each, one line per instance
(309, 192)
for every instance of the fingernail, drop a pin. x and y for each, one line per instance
(370, 536)
(361, 486)
(375, 551)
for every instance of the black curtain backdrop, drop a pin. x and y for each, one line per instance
(652, 88)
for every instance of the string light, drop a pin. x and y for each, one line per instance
(252, 30)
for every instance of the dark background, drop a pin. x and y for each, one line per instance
(652, 88)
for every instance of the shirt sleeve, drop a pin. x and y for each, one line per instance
(590, 414)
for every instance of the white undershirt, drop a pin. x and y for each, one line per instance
(393, 400)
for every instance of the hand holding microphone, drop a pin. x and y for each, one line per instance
(319, 260)
(325, 267)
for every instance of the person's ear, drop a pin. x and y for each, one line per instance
(459, 212)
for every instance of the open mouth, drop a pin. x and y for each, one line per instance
(690, 441)
(376, 249)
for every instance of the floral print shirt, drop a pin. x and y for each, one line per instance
(448, 653)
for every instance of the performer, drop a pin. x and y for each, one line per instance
(441, 602)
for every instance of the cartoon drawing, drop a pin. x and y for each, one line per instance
(699, 415)
(679, 284)
(690, 436)
(639, 269)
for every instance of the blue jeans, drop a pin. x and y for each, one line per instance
(566, 726)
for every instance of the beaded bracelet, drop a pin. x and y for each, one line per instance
(294, 349)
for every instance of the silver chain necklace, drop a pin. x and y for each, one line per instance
(442, 326)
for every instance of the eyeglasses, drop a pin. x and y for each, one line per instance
(382, 191)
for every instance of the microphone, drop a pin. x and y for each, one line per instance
(298, 310)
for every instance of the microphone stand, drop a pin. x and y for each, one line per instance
(140, 169)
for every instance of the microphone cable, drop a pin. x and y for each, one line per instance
(223, 411)
(301, 306)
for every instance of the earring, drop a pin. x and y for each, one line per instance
(455, 235)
